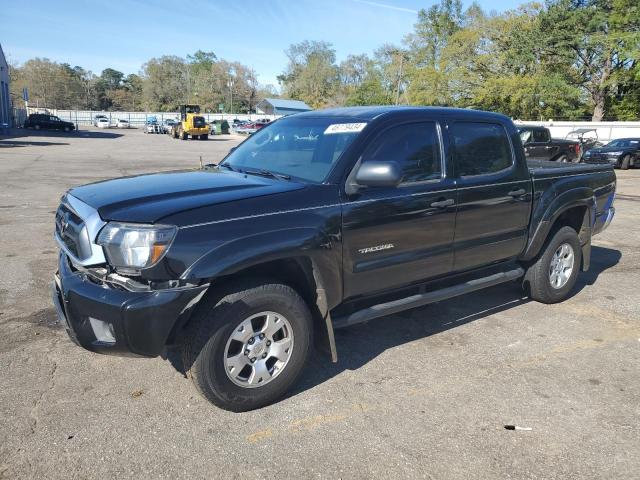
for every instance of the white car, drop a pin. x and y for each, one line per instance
(103, 123)
(122, 123)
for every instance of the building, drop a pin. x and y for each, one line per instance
(281, 106)
(5, 99)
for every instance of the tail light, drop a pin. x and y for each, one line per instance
(577, 148)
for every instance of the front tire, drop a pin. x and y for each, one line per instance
(204, 137)
(247, 346)
(554, 274)
(625, 162)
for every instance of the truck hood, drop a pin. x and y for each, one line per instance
(149, 198)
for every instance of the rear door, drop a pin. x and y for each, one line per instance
(396, 236)
(494, 194)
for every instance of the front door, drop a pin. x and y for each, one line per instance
(396, 236)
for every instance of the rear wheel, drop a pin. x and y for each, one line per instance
(246, 347)
(204, 137)
(625, 162)
(553, 275)
(36, 126)
(563, 159)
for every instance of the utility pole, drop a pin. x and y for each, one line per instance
(230, 83)
(399, 77)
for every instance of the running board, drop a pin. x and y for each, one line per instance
(421, 299)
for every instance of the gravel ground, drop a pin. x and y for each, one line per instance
(424, 394)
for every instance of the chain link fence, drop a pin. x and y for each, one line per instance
(87, 117)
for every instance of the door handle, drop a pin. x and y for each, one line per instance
(517, 193)
(443, 203)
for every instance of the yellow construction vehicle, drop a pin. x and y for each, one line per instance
(191, 123)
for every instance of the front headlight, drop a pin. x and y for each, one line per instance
(131, 247)
(614, 154)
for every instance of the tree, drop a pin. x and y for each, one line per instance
(598, 40)
(312, 74)
(428, 72)
(164, 84)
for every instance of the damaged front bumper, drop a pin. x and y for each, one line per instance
(108, 318)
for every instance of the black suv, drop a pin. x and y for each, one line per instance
(45, 121)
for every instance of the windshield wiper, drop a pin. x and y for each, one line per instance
(225, 165)
(267, 173)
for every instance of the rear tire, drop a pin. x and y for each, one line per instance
(37, 127)
(625, 162)
(563, 159)
(222, 318)
(554, 274)
(204, 137)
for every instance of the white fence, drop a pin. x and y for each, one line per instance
(606, 130)
(86, 117)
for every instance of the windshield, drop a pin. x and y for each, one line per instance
(305, 148)
(623, 143)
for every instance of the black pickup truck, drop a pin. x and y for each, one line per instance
(538, 145)
(318, 221)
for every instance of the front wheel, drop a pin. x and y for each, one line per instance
(37, 127)
(245, 348)
(553, 275)
(204, 137)
(625, 162)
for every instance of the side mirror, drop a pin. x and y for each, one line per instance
(379, 174)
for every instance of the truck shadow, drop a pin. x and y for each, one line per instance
(360, 344)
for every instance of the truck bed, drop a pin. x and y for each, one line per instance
(540, 169)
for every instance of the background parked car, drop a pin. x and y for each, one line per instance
(247, 128)
(122, 123)
(219, 127)
(621, 153)
(586, 137)
(152, 126)
(103, 123)
(167, 125)
(538, 145)
(45, 121)
(97, 118)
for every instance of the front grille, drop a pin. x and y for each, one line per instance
(72, 232)
(596, 158)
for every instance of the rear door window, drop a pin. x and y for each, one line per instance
(480, 148)
(541, 136)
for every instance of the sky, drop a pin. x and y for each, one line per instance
(124, 34)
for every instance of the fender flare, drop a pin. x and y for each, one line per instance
(291, 243)
(576, 197)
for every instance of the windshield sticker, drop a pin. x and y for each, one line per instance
(344, 128)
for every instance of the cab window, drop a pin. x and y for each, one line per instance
(480, 148)
(541, 136)
(415, 147)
